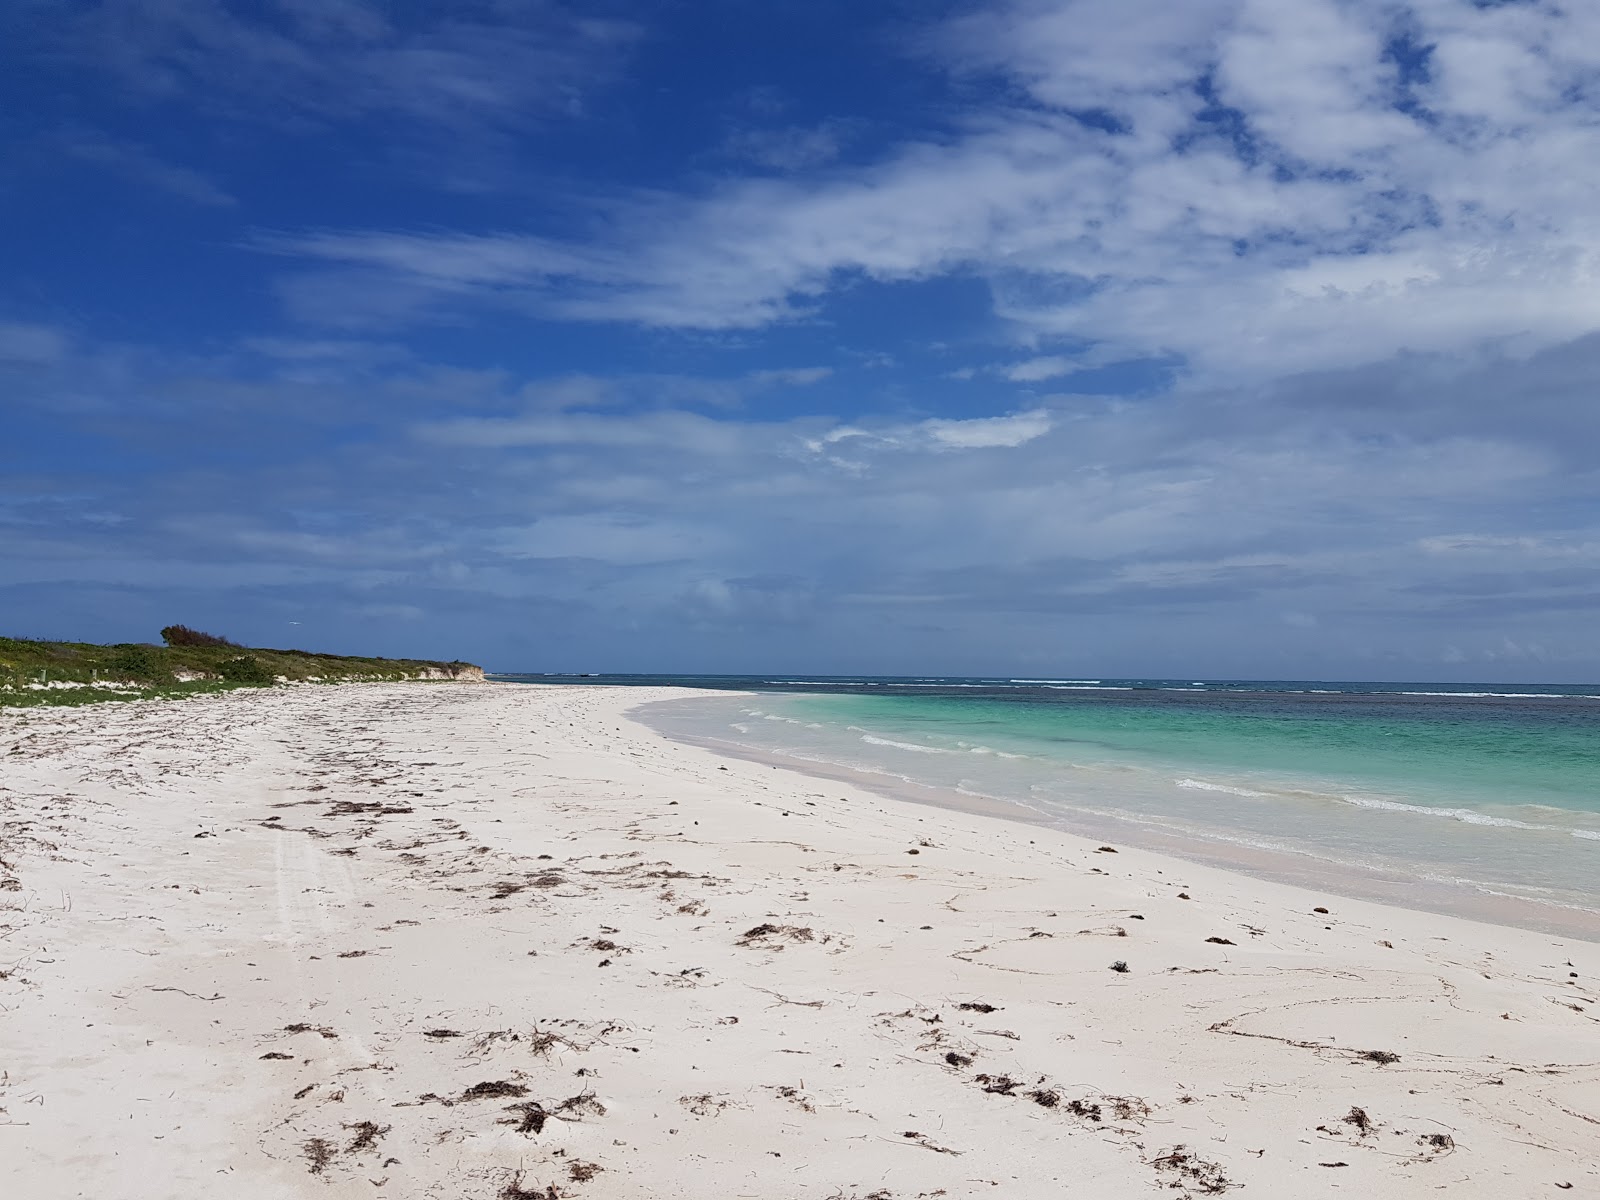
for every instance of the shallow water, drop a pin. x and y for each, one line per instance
(1491, 790)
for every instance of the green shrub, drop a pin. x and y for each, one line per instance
(138, 662)
(245, 669)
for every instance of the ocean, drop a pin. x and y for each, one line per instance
(1423, 793)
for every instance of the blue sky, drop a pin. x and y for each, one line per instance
(1247, 338)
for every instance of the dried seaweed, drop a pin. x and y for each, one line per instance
(319, 1153)
(493, 1089)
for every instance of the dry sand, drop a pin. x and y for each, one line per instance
(499, 941)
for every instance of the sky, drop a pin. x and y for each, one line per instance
(1224, 338)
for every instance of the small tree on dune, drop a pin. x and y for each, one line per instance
(182, 635)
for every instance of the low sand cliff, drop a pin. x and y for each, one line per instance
(460, 672)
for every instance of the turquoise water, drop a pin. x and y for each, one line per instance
(1432, 755)
(1493, 793)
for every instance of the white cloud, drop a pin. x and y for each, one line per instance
(988, 432)
(1035, 370)
(1085, 517)
(937, 434)
(1262, 188)
(455, 65)
(695, 434)
(1267, 188)
(25, 344)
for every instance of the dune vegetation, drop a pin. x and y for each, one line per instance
(189, 662)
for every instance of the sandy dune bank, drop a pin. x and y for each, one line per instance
(501, 942)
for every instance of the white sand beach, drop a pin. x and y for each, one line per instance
(496, 942)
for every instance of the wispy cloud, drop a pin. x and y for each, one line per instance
(1035, 370)
(788, 147)
(842, 443)
(982, 432)
(27, 344)
(453, 65)
(141, 166)
(1256, 188)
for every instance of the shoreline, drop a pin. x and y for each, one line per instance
(1306, 871)
(489, 943)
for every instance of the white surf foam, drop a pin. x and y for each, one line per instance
(1504, 695)
(1200, 785)
(1465, 816)
(878, 741)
